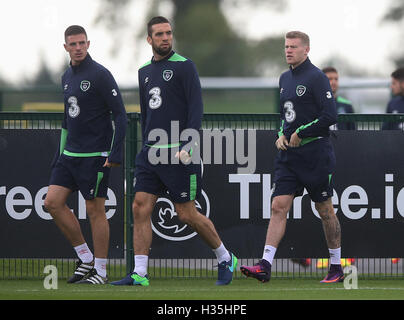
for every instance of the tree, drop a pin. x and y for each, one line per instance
(45, 76)
(203, 33)
(395, 14)
(111, 16)
(3, 82)
(345, 68)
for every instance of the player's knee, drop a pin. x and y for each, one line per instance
(140, 208)
(325, 209)
(51, 205)
(186, 216)
(137, 206)
(278, 209)
(95, 212)
(280, 205)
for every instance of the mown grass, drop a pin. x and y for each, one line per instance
(205, 289)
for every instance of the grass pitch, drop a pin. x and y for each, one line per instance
(205, 289)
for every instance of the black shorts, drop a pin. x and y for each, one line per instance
(179, 182)
(310, 166)
(85, 174)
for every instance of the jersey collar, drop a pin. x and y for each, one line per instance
(87, 60)
(301, 67)
(165, 58)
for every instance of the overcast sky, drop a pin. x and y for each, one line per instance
(33, 30)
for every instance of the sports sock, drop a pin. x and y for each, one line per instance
(222, 254)
(100, 264)
(84, 253)
(335, 255)
(141, 262)
(269, 253)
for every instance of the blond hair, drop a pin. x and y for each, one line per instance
(299, 35)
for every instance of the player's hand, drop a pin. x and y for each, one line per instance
(282, 143)
(183, 156)
(294, 140)
(110, 164)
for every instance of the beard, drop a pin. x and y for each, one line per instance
(162, 52)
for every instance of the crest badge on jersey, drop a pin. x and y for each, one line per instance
(300, 90)
(167, 75)
(85, 85)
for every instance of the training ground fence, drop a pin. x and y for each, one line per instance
(161, 265)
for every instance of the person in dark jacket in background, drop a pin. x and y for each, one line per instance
(396, 104)
(344, 106)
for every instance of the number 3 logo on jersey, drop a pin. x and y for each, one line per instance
(74, 109)
(155, 100)
(290, 113)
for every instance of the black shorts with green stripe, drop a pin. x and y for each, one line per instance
(178, 182)
(84, 174)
